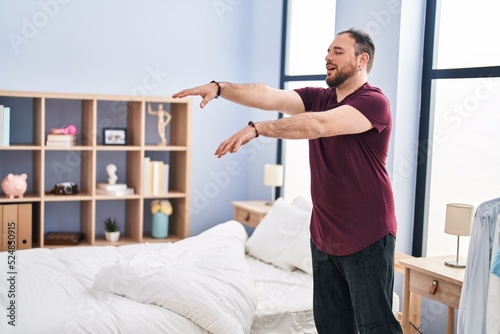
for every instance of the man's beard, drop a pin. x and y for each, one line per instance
(341, 76)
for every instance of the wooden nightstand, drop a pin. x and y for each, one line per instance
(250, 213)
(429, 277)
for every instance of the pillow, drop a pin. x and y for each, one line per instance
(298, 253)
(303, 203)
(276, 232)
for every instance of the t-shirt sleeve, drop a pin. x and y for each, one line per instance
(308, 95)
(375, 107)
(370, 101)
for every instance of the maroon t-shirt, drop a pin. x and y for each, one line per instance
(350, 187)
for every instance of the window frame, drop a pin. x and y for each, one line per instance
(429, 75)
(285, 78)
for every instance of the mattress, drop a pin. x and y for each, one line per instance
(284, 299)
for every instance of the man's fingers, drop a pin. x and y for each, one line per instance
(180, 94)
(185, 93)
(204, 102)
(222, 149)
(201, 91)
(230, 145)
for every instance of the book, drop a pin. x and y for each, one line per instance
(111, 187)
(119, 192)
(151, 177)
(164, 183)
(146, 190)
(60, 143)
(61, 138)
(4, 126)
(156, 177)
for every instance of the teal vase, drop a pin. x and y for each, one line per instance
(159, 229)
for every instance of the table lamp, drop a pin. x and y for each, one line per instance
(273, 176)
(458, 222)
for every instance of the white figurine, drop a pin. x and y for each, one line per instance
(164, 118)
(111, 169)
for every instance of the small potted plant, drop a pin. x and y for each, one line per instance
(111, 229)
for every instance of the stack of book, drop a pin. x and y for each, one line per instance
(118, 189)
(4, 126)
(61, 140)
(155, 179)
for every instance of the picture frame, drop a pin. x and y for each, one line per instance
(114, 136)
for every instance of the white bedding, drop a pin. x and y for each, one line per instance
(55, 294)
(204, 278)
(63, 290)
(68, 290)
(54, 298)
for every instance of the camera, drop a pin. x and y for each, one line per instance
(65, 188)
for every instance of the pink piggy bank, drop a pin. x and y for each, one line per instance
(14, 185)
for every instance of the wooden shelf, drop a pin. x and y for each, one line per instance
(20, 148)
(26, 198)
(37, 113)
(117, 148)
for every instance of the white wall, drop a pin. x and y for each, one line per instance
(155, 47)
(397, 30)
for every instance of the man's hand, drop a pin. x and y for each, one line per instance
(207, 92)
(233, 143)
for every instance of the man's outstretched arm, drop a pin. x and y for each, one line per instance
(311, 125)
(253, 95)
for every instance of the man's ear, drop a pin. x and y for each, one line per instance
(363, 59)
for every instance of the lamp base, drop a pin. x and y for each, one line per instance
(273, 192)
(455, 264)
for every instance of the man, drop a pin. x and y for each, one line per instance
(353, 223)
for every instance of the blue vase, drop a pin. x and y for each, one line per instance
(159, 228)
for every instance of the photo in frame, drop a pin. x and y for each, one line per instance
(114, 136)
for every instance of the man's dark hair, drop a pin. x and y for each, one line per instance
(364, 44)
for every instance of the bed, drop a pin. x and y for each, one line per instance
(220, 281)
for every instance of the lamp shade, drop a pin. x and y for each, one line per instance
(273, 175)
(458, 219)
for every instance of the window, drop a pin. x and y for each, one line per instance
(310, 29)
(460, 118)
(465, 33)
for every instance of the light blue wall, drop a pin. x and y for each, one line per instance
(156, 47)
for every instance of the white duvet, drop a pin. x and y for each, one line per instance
(197, 285)
(203, 278)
